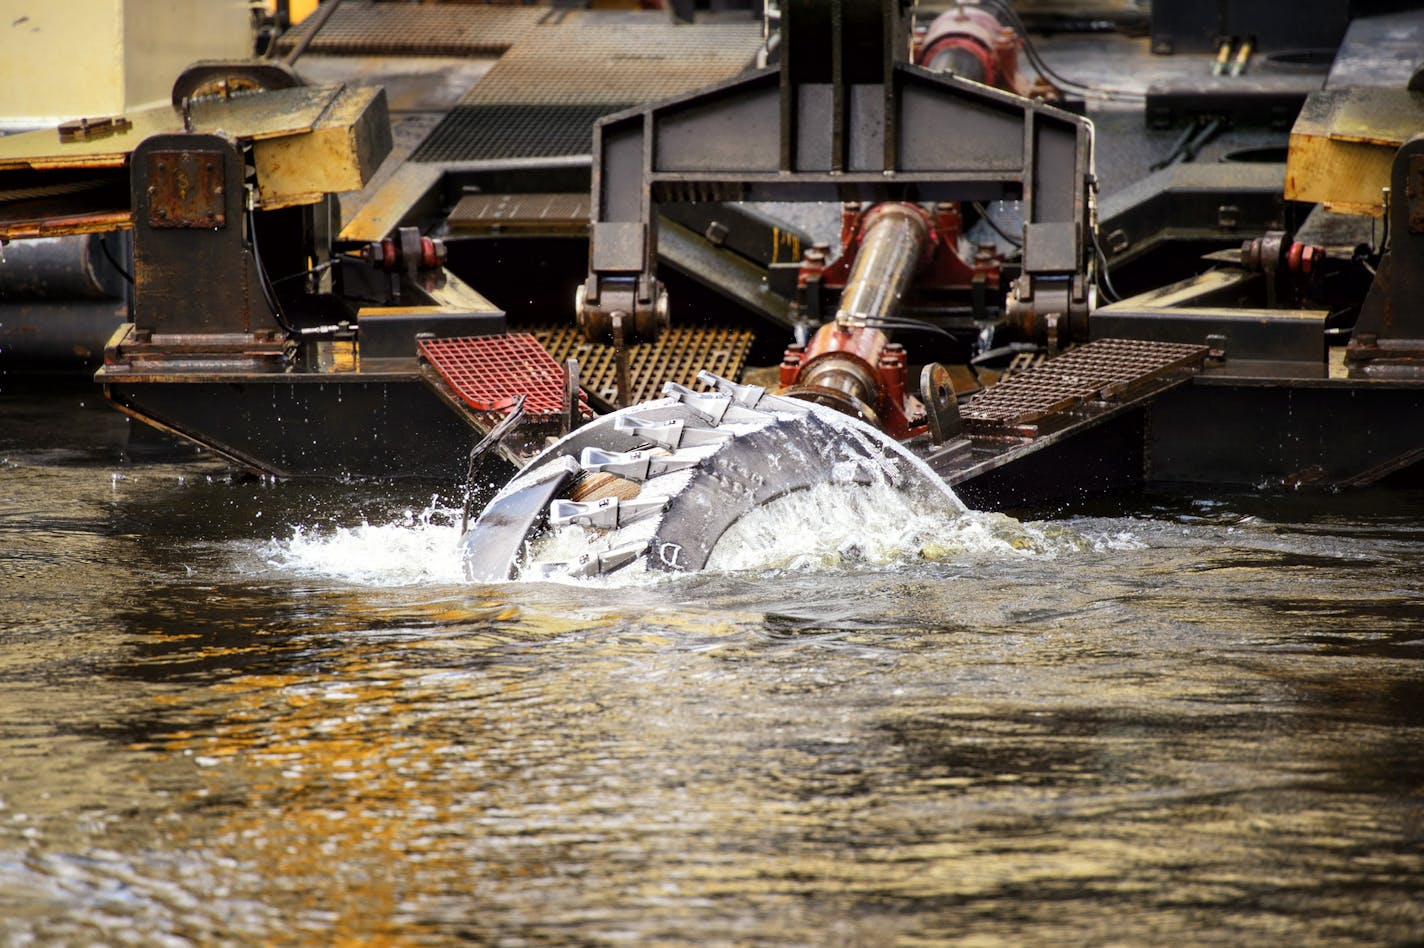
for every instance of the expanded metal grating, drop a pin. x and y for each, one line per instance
(678, 355)
(488, 372)
(360, 28)
(1099, 370)
(488, 132)
(542, 97)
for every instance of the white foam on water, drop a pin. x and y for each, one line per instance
(830, 526)
(868, 525)
(845, 525)
(413, 549)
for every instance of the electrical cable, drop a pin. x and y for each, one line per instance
(263, 280)
(319, 268)
(1012, 349)
(1036, 58)
(993, 225)
(270, 294)
(108, 255)
(1105, 278)
(904, 324)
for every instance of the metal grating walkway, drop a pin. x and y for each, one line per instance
(364, 28)
(489, 132)
(1100, 371)
(678, 355)
(488, 372)
(542, 97)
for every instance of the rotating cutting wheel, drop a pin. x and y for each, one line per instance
(658, 484)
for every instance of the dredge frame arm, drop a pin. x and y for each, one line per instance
(852, 122)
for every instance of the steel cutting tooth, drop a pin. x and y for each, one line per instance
(745, 395)
(593, 564)
(713, 406)
(639, 465)
(670, 434)
(610, 513)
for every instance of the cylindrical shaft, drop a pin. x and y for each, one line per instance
(892, 247)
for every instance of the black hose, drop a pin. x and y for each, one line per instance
(268, 293)
(109, 256)
(984, 216)
(319, 268)
(1042, 66)
(1177, 148)
(1105, 277)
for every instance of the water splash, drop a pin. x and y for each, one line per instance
(849, 526)
(415, 548)
(868, 525)
(829, 527)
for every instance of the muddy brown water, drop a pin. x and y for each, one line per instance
(234, 711)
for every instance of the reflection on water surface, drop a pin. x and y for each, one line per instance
(245, 712)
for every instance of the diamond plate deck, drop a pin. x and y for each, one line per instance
(543, 96)
(678, 355)
(1098, 371)
(365, 28)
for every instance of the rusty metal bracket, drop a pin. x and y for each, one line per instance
(1388, 338)
(1414, 193)
(941, 404)
(185, 189)
(194, 271)
(88, 129)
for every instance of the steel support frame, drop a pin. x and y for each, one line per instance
(854, 122)
(1388, 339)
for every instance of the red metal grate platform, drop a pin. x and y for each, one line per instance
(489, 372)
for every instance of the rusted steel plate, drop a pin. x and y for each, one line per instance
(185, 190)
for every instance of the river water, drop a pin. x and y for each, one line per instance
(235, 711)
